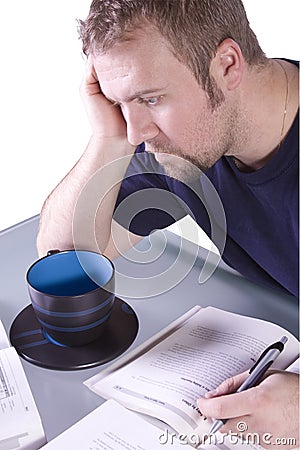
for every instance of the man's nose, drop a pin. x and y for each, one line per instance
(140, 126)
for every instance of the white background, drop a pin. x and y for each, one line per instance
(43, 127)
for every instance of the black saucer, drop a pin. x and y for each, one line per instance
(30, 342)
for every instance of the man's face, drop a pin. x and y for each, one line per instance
(162, 103)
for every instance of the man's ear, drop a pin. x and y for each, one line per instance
(228, 64)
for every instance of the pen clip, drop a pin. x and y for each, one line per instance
(277, 345)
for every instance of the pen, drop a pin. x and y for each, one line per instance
(256, 373)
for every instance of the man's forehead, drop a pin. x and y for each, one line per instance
(123, 81)
(144, 63)
(136, 57)
(140, 45)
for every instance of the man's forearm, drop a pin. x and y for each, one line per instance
(84, 201)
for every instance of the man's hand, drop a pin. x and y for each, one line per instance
(105, 118)
(270, 409)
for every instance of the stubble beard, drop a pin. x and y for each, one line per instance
(208, 145)
(185, 165)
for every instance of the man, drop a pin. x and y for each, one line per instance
(186, 80)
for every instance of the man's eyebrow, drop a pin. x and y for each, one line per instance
(139, 94)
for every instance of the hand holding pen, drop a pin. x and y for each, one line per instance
(256, 374)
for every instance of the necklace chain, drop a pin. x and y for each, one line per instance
(285, 103)
(236, 161)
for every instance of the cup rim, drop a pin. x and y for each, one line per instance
(68, 251)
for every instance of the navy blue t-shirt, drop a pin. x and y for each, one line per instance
(261, 209)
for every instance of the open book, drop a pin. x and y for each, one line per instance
(20, 423)
(164, 377)
(112, 427)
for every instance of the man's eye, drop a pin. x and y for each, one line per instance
(152, 101)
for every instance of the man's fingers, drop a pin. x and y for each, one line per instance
(228, 386)
(229, 406)
(90, 84)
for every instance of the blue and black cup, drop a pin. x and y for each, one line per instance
(72, 294)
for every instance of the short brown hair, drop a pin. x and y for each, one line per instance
(194, 28)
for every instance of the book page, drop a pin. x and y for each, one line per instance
(111, 427)
(294, 367)
(4, 342)
(213, 345)
(20, 424)
(146, 345)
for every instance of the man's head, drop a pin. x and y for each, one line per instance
(193, 28)
(175, 69)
